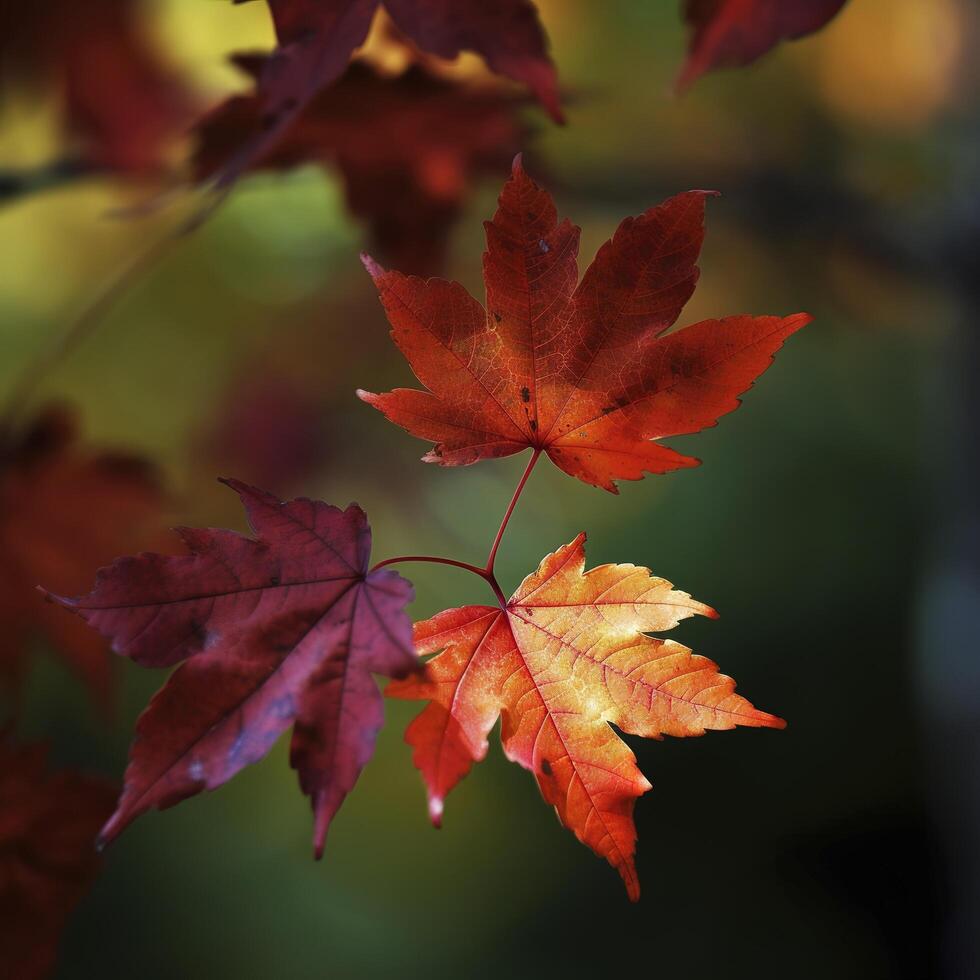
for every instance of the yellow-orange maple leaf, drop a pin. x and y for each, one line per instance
(565, 658)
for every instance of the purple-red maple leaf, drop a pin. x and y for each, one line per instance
(48, 823)
(317, 37)
(64, 510)
(119, 98)
(408, 147)
(732, 33)
(281, 629)
(582, 371)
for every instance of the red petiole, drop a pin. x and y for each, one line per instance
(487, 572)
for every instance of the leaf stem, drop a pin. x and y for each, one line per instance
(17, 183)
(487, 577)
(510, 510)
(486, 573)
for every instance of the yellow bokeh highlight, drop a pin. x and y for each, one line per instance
(890, 63)
(199, 35)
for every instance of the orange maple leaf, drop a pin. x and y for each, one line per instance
(578, 370)
(565, 658)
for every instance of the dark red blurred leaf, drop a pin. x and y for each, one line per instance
(732, 33)
(119, 98)
(48, 823)
(283, 629)
(408, 147)
(317, 37)
(578, 370)
(269, 428)
(64, 510)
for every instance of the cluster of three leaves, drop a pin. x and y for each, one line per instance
(286, 628)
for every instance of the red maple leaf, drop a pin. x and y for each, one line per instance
(119, 98)
(63, 511)
(732, 33)
(567, 657)
(579, 371)
(317, 37)
(408, 148)
(277, 630)
(48, 823)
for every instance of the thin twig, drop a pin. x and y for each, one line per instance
(510, 510)
(80, 328)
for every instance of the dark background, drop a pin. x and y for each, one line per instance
(833, 525)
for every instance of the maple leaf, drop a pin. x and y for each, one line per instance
(64, 510)
(732, 33)
(118, 96)
(408, 148)
(566, 658)
(284, 628)
(48, 824)
(579, 372)
(316, 40)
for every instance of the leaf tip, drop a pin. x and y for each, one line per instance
(373, 268)
(51, 597)
(322, 814)
(631, 881)
(435, 811)
(433, 456)
(240, 487)
(109, 832)
(686, 77)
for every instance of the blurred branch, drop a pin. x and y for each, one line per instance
(15, 184)
(781, 206)
(79, 328)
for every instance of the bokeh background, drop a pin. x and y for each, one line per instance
(834, 523)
